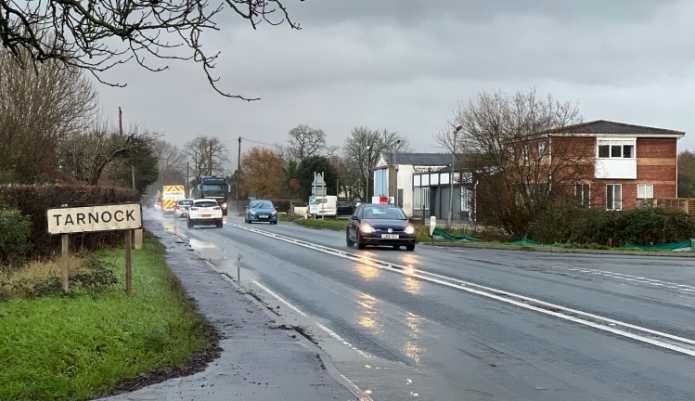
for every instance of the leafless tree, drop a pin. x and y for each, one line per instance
(517, 152)
(363, 148)
(85, 156)
(306, 142)
(39, 108)
(208, 156)
(171, 162)
(81, 34)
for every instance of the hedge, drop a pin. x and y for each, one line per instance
(35, 200)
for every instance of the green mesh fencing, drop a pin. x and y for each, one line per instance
(525, 242)
(439, 233)
(676, 246)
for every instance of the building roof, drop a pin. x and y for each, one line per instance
(419, 159)
(601, 127)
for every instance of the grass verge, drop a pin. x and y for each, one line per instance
(337, 225)
(86, 344)
(289, 217)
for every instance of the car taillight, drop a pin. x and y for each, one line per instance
(178, 207)
(194, 208)
(216, 208)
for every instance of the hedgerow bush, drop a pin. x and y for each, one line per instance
(641, 226)
(34, 200)
(15, 230)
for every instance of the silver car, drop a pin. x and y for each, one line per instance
(182, 207)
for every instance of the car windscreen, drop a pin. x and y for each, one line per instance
(262, 205)
(381, 213)
(205, 204)
(215, 187)
(185, 202)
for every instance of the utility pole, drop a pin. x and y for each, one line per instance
(188, 182)
(120, 120)
(210, 158)
(238, 176)
(132, 171)
(451, 178)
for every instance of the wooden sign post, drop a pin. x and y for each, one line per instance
(118, 217)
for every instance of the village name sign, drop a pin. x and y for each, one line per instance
(118, 217)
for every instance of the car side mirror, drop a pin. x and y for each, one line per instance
(354, 217)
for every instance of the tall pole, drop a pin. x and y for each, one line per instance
(188, 182)
(132, 171)
(120, 120)
(451, 179)
(395, 166)
(238, 176)
(210, 159)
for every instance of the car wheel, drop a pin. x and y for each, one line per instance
(410, 247)
(218, 224)
(189, 223)
(348, 241)
(360, 245)
(275, 222)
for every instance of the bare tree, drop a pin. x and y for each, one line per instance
(208, 156)
(363, 148)
(306, 142)
(85, 156)
(39, 108)
(515, 147)
(81, 34)
(171, 162)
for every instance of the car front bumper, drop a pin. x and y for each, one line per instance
(270, 218)
(377, 240)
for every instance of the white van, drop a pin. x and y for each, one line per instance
(326, 206)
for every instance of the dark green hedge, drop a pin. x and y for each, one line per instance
(641, 226)
(35, 200)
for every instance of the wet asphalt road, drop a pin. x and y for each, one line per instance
(398, 336)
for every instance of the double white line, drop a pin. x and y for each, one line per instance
(656, 338)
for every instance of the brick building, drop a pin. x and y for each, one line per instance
(632, 163)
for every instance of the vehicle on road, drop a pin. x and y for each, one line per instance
(170, 195)
(261, 210)
(213, 187)
(380, 224)
(182, 206)
(204, 212)
(157, 204)
(345, 208)
(323, 206)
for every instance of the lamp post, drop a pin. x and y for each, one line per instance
(369, 169)
(451, 178)
(395, 166)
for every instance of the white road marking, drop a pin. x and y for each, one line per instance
(537, 305)
(630, 278)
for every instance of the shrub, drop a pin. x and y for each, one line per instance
(15, 230)
(35, 200)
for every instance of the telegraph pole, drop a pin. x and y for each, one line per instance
(238, 176)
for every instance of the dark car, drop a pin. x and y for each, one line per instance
(377, 224)
(261, 210)
(345, 208)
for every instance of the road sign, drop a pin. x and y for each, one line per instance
(94, 218)
(318, 187)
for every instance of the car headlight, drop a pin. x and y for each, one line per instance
(224, 205)
(274, 212)
(366, 228)
(253, 212)
(409, 230)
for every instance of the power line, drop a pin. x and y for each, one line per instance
(261, 143)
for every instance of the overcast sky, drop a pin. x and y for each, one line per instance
(406, 65)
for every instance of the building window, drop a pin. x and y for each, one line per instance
(541, 148)
(645, 194)
(400, 198)
(616, 149)
(582, 194)
(420, 196)
(614, 197)
(525, 152)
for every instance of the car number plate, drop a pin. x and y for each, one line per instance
(206, 215)
(263, 216)
(389, 236)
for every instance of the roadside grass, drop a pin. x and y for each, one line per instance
(82, 345)
(330, 224)
(289, 217)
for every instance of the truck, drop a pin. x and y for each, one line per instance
(212, 187)
(170, 195)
